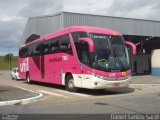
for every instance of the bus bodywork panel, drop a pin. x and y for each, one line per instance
(53, 68)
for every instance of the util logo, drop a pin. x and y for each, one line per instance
(24, 65)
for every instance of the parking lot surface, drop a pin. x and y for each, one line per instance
(143, 96)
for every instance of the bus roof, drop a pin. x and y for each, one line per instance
(78, 29)
(93, 30)
(82, 29)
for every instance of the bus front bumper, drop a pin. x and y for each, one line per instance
(104, 84)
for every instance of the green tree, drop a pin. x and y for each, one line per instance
(8, 59)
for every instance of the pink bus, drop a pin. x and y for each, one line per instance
(78, 57)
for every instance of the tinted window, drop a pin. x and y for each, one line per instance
(57, 45)
(23, 52)
(118, 46)
(64, 44)
(84, 53)
(50, 46)
(34, 49)
(76, 36)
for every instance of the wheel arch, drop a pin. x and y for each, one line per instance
(70, 82)
(67, 74)
(27, 72)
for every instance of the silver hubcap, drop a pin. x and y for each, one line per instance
(71, 84)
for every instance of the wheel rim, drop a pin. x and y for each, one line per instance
(71, 84)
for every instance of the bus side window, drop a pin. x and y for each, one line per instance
(34, 49)
(54, 46)
(23, 52)
(83, 50)
(76, 36)
(38, 49)
(50, 46)
(64, 45)
(42, 48)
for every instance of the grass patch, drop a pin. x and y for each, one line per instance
(5, 66)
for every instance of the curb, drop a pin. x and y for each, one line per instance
(23, 101)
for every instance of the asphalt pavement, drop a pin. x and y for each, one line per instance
(146, 79)
(53, 102)
(10, 95)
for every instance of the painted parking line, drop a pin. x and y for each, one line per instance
(54, 94)
(78, 94)
(24, 89)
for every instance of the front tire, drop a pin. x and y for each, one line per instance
(70, 85)
(28, 78)
(12, 77)
(16, 78)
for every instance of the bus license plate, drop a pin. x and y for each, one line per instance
(116, 84)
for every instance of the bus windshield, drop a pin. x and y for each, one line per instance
(110, 53)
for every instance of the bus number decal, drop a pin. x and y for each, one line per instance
(64, 58)
(112, 75)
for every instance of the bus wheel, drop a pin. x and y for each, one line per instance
(28, 78)
(70, 86)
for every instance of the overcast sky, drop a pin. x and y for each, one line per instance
(14, 14)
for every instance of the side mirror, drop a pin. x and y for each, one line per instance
(134, 49)
(90, 43)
